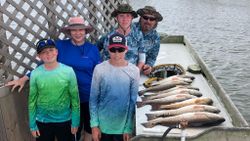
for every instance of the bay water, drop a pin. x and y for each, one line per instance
(219, 30)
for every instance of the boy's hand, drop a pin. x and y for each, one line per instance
(35, 133)
(96, 134)
(74, 130)
(126, 137)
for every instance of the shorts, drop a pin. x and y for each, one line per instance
(84, 120)
(50, 131)
(85, 117)
(111, 137)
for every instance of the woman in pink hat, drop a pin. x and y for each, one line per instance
(82, 56)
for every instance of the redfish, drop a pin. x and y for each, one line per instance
(186, 109)
(174, 92)
(199, 101)
(166, 100)
(162, 87)
(195, 119)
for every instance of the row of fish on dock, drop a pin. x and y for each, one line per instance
(174, 100)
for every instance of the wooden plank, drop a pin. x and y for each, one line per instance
(3, 136)
(15, 116)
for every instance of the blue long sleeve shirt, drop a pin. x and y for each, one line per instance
(83, 60)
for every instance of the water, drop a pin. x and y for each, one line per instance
(219, 31)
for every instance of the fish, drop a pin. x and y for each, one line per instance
(166, 100)
(162, 87)
(174, 92)
(157, 81)
(185, 78)
(186, 109)
(194, 119)
(198, 100)
(166, 80)
(172, 89)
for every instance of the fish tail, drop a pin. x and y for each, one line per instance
(193, 88)
(195, 93)
(155, 107)
(146, 95)
(188, 76)
(187, 80)
(148, 124)
(140, 93)
(151, 116)
(144, 98)
(139, 104)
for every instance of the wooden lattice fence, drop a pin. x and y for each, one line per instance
(23, 22)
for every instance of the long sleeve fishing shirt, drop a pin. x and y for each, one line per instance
(151, 44)
(113, 96)
(53, 96)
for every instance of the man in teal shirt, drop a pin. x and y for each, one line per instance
(148, 22)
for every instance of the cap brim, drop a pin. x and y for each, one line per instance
(40, 50)
(117, 45)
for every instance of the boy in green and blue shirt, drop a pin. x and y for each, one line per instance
(54, 109)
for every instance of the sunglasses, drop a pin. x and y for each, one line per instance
(45, 42)
(119, 50)
(149, 18)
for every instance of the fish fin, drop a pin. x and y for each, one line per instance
(151, 116)
(139, 104)
(148, 124)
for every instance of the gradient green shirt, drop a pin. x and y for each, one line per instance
(53, 96)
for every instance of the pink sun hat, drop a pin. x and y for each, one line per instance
(76, 23)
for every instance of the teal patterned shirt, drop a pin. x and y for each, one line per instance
(134, 42)
(151, 44)
(53, 96)
(112, 98)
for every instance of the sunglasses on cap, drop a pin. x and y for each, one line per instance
(149, 18)
(45, 42)
(119, 50)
